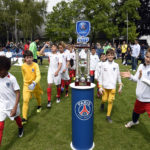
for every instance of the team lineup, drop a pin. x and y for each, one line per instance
(61, 72)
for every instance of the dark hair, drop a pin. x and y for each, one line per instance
(27, 53)
(93, 48)
(36, 38)
(5, 63)
(62, 44)
(102, 54)
(54, 45)
(110, 51)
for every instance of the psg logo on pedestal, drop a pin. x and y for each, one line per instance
(84, 109)
(83, 28)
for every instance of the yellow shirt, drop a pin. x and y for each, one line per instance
(124, 48)
(30, 73)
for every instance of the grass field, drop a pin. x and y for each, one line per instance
(51, 129)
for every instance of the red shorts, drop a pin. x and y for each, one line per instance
(72, 73)
(92, 72)
(142, 107)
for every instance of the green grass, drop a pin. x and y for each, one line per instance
(51, 129)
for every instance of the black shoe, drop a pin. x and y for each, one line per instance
(102, 107)
(109, 119)
(20, 132)
(24, 121)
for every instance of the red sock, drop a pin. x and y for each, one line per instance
(67, 85)
(1, 130)
(58, 92)
(70, 80)
(62, 83)
(19, 121)
(49, 90)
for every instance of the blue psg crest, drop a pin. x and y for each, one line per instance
(84, 109)
(8, 84)
(114, 69)
(148, 73)
(83, 28)
(32, 70)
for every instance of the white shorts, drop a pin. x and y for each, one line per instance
(6, 113)
(65, 75)
(52, 79)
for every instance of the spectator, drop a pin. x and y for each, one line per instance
(9, 54)
(118, 51)
(33, 49)
(108, 46)
(135, 54)
(128, 56)
(123, 51)
(26, 46)
(142, 53)
(2, 53)
(99, 49)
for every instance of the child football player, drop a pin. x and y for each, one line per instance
(31, 77)
(9, 97)
(142, 77)
(55, 63)
(109, 75)
(98, 69)
(72, 62)
(93, 63)
(65, 66)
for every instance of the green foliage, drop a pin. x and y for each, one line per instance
(106, 17)
(29, 13)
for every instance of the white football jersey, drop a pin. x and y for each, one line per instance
(109, 75)
(54, 60)
(8, 86)
(65, 58)
(93, 61)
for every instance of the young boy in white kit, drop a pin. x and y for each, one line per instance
(54, 74)
(109, 75)
(9, 97)
(98, 69)
(65, 65)
(93, 63)
(142, 77)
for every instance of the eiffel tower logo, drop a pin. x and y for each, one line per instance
(84, 110)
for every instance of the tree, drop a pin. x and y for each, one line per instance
(143, 25)
(31, 15)
(128, 8)
(61, 22)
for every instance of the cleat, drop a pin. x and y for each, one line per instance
(58, 101)
(49, 105)
(24, 121)
(109, 119)
(102, 107)
(131, 123)
(20, 132)
(39, 108)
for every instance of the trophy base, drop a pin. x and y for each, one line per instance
(82, 83)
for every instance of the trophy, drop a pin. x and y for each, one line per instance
(82, 67)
